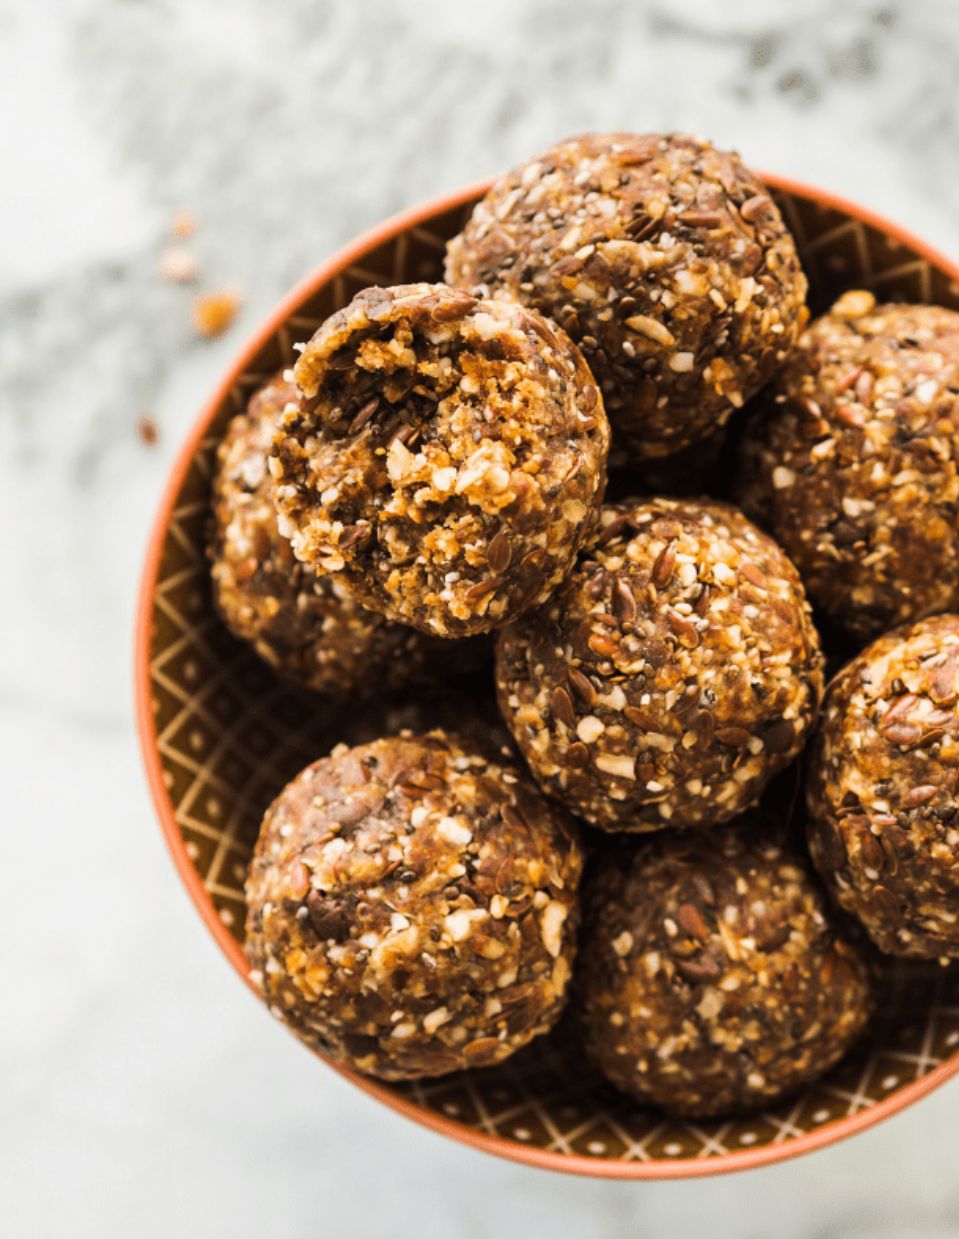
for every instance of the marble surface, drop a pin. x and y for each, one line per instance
(141, 1091)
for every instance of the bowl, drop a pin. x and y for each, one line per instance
(221, 735)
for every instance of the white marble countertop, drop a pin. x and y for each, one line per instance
(141, 1092)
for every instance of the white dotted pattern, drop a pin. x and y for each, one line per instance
(229, 735)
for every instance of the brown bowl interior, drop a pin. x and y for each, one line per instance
(226, 734)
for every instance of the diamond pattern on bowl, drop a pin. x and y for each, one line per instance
(229, 734)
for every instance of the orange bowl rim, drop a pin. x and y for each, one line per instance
(570, 1163)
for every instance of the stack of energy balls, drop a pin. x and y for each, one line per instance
(433, 469)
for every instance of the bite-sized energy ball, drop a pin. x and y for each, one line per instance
(672, 675)
(448, 456)
(711, 979)
(413, 907)
(309, 628)
(882, 789)
(666, 261)
(852, 462)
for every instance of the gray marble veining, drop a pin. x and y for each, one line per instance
(142, 1091)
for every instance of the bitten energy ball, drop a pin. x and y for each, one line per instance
(413, 907)
(672, 675)
(309, 628)
(853, 462)
(448, 456)
(664, 259)
(712, 981)
(882, 789)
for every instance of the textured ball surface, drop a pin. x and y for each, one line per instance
(712, 979)
(413, 907)
(309, 628)
(671, 676)
(852, 462)
(882, 789)
(447, 457)
(665, 259)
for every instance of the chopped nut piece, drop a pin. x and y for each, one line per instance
(436, 1019)
(554, 914)
(652, 328)
(589, 729)
(454, 831)
(619, 765)
(855, 304)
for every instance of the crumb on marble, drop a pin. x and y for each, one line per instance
(147, 431)
(176, 263)
(213, 313)
(183, 224)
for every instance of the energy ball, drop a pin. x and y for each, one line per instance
(882, 790)
(309, 628)
(853, 462)
(447, 458)
(671, 676)
(413, 907)
(711, 980)
(667, 262)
